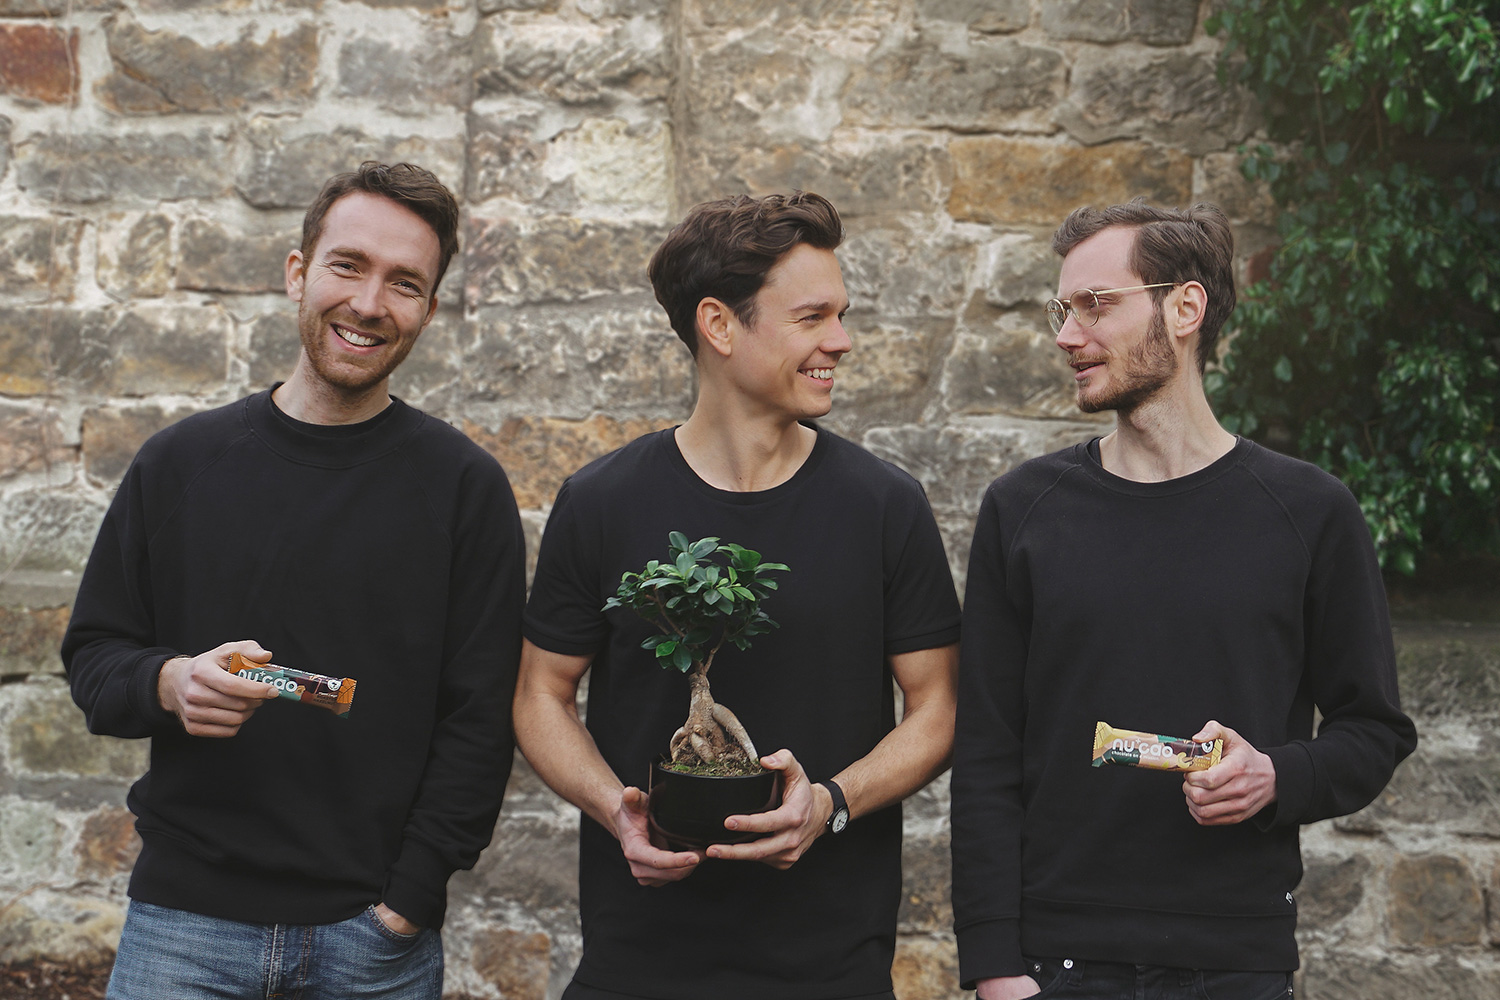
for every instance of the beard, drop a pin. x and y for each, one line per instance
(1142, 373)
(340, 373)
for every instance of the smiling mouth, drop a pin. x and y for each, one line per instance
(820, 373)
(357, 339)
(1082, 366)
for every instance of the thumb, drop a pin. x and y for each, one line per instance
(633, 799)
(1211, 730)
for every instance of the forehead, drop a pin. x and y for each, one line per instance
(1099, 262)
(382, 230)
(805, 272)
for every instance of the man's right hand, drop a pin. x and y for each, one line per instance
(1007, 988)
(648, 863)
(205, 696)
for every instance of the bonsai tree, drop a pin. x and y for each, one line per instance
(704, 595)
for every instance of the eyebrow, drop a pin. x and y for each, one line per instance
(358, 255)
(823, 306)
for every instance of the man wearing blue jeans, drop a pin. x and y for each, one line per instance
(1168, 578)
(288, 850)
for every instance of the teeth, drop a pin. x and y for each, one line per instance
(354, 338)
(820, 372)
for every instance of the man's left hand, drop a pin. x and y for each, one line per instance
(395, 921)
(790, 828)
(1240, 785)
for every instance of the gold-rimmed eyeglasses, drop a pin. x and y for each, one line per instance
(1084, 304)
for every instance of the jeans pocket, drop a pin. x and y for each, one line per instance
(1221, 985)
(1049, 975)
(396, 937)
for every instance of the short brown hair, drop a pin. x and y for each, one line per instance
(725, 249)
(407, 185)
(1171, 245)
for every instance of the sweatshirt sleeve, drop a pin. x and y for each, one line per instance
(470, 753)
(987, 763)
(109, 650)
(1350, 670)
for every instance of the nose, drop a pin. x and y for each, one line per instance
(837, 342)
(367, 299)
(1070, 336)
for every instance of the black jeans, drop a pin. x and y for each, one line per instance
(1075, 979)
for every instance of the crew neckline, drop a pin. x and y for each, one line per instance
(1087, 455)
(667, 441)
(338, 446)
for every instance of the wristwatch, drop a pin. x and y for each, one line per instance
(839, 818)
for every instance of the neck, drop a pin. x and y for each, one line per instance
(315, 402)
(742, 452)
(1171, 435)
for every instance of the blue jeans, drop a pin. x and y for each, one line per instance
(175, 955)
(1075, 979)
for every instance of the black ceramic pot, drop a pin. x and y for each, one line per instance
(688, 810)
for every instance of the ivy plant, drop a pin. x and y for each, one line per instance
(1372, 344)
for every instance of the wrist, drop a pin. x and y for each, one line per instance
(838, 813)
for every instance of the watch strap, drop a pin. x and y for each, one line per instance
(840, 804)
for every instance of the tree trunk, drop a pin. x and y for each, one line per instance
(712, 733)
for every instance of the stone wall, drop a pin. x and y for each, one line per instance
(155, 159)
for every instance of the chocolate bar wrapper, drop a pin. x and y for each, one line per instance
(333, 693)
(1162, 753)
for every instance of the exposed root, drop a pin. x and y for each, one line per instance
(732, 725)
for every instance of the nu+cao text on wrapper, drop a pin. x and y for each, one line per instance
(333, 693)
(1162, 753)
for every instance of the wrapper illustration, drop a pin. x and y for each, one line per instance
(333, 693)
(1162, 753)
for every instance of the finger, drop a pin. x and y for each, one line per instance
(754, 850)
(781, 760)
(1212, 729)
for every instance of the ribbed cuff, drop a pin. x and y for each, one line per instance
(988, 949)
(141, 692)
(1294, 786)
(417, 885)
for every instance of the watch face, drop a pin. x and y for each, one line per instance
(839, 821)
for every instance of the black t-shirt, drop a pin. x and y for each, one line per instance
(868, 579)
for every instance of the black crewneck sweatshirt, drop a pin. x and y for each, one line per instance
(1247, 592)
(389, 551)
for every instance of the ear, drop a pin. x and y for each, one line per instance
(296, 275)
(1185, 309)
(716, 327)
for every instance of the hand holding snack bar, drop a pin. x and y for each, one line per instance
(333, 693)
(1241, 785)
(208, 699)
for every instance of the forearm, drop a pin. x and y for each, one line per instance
(906, 760)
(562, 752)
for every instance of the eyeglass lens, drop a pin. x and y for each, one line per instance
(1084, 305)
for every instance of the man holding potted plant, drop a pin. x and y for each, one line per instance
(755, 292)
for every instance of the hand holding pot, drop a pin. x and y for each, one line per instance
(790, 828)
(648, 863)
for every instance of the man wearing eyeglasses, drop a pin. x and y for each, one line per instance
(1170, 578)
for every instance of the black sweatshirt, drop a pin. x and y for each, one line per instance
(1247, 592)
(389, 551)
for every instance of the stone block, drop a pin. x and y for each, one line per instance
(532, 862)
(215, 258)
(946, 78)
(505, 159)
(538, 453)
(1222, 183)
(872, 174)
(283, 169)
(1449, 672)
(48, 529)
(1020, 270)
(30, 639)
(897, 271)
(274, 347)
(426, 71)
(574, 361)
(30, 840)
(893, 369)
(38, 63)
(1443, 786)
(1331, 889)
(167, 348)
(984, 16)
(52, 926)
(1155, 22)
(112, 436)
(52, 8)
(609, 162)
(1363, 976)
(926, 885)
(557, 259)
(1174, 98)
(1492, 906)
(107, 844)
(1010, 181)
(1010, 364)
(574, 63)
(161, 72)
(4, 145)
(135, 255)
(91, 167)
(514, 962)
(497, 6)
(1435, 902)
(762, 88)
(432, 371)
(30, 440)
(39, 257)
(792, 15)
(46, 738)
(926, 967)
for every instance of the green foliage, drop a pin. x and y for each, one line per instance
(704, 595)
(1372, 347)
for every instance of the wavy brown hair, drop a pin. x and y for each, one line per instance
(724, 249)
